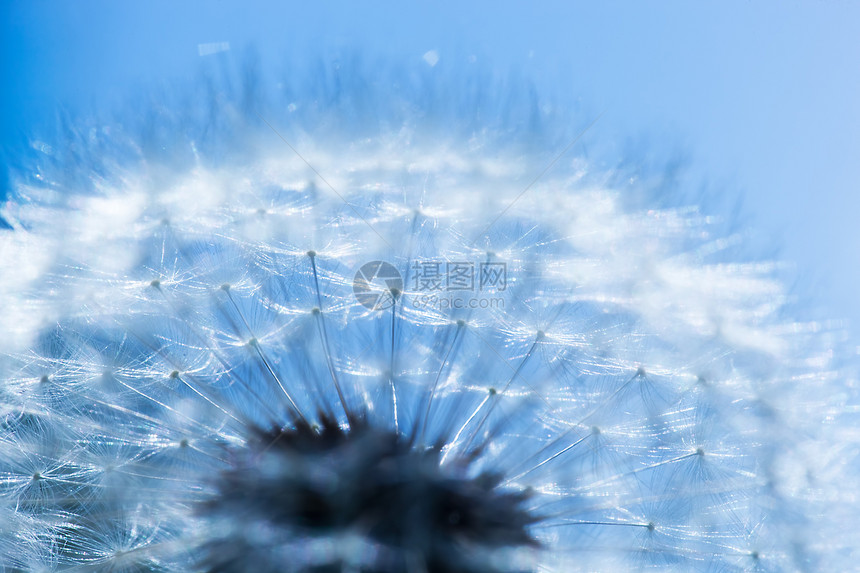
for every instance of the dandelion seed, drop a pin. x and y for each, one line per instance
(246, 357)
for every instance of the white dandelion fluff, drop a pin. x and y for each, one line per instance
(350, 327)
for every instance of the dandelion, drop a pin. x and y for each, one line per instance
(347, 328)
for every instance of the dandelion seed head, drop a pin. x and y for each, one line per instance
(205, 367)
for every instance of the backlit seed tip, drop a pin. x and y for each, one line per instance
(315, 311)
(640, 372)
(225, 287)
(155, 283)
(311, 254)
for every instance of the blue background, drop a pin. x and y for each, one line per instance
(759, 98)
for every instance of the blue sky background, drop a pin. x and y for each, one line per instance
(760, 97)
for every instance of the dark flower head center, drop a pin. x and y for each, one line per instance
(326, 481)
